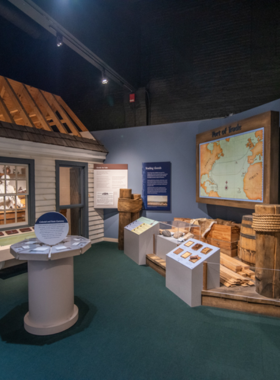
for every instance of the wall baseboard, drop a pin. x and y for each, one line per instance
(112, 240)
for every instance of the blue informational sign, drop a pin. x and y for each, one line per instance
(156, 177)
(51, 228)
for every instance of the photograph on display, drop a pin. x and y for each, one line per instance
(186, 255)
(188, 243)
(157, 200)
(206, 250)
(178, 251)
(234, 166)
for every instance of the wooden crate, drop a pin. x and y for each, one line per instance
(223, 236)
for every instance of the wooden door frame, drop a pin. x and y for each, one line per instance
(84, 192)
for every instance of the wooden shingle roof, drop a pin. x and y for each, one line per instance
(30, 114)
(20, 132)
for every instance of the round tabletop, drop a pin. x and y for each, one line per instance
(33, 249)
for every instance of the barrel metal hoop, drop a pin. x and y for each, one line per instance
(247, 236)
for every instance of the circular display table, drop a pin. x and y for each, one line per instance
(50, 283)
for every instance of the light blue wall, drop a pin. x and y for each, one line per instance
(174, 143)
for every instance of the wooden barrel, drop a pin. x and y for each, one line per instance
(247, 243)
(266, 223)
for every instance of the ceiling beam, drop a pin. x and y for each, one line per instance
(47, 22)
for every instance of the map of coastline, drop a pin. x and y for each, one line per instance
(232, 168)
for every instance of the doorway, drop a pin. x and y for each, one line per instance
(72, 195)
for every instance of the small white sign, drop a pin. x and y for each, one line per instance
(51, 228)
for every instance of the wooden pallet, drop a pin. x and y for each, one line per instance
(239, 298)
(156, 263)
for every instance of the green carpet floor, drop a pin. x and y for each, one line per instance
(132, 327)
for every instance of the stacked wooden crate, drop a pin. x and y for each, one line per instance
(222, 236)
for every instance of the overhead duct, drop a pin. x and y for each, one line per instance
(20, 20)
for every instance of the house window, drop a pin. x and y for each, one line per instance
(16, 188)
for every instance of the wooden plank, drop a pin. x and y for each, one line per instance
(155, 267)
(66, 119)
(17, 103)
(241, 305)
(45, 104)
(268, 256)
(95, 241)
(44, 168)
(95, 218)
(5, 112)
(96, 223)
(26, 94)
(45, 175)
(2, 88)
(47, 202)
(236, 267)
(44, 208)
(45, 197)
(71, 113)
(96, 236)
(96, 229)
(44, 179)
(43, 190)
(44, 185)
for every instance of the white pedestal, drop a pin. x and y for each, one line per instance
(185, 278)
(50, 284)
(138, 246)
(164, 245)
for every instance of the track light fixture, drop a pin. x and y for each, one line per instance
(59, 38)
(104, 78)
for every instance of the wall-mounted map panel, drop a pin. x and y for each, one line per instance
(237, 165)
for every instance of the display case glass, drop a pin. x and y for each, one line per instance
(13, 194)
(178, 231)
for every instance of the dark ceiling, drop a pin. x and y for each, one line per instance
(107, 27)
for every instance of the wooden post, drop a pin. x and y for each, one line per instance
(266, 223)
(124, 217)
(204, 275)
(135, 215)
(128, 205)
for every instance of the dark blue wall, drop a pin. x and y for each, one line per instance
(174, 143)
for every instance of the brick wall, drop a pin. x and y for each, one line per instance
(200, 59)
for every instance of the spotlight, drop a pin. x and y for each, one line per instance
(59, 38)
(104, 78)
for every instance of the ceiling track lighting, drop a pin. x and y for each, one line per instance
(59, 39)
(104, 78)
(64, 37)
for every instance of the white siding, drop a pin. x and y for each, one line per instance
(45, 187)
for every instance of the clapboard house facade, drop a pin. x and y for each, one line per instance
(46, 164)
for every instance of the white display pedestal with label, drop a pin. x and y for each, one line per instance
(50, 283)
(139, 239)
(185, 278)
(164, 245)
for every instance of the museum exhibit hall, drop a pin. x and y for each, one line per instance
(139, 189)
